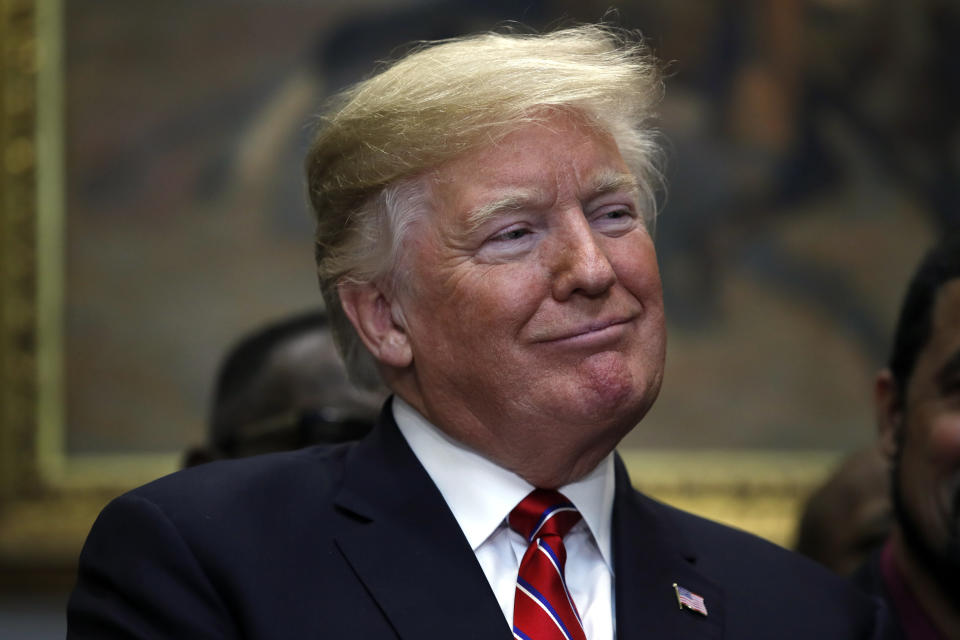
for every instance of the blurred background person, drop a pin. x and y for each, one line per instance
(917, 572)
(284, 387)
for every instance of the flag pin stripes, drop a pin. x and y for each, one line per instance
(688, 599)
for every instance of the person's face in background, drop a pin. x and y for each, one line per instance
(922, 437)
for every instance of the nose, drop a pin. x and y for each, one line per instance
(580, 264)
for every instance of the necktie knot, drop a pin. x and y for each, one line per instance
(543, 513)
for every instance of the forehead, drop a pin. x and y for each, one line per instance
(946, 317)
(941, 355)
(557, 157)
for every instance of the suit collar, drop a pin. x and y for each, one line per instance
(404, 544)
(399, 536)
(652, 555)
(458, 471)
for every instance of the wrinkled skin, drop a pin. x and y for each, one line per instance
(532, 328)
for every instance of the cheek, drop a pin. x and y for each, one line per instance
(945, 438)
(499, 290)
(487, 303)
(636, 266)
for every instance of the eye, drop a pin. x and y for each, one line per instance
(510, 235)
(614, 219)
(616, 214)
(950, 387)
(508, 243)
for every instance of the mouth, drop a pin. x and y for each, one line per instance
(590, 333)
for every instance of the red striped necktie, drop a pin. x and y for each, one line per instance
(542, 607)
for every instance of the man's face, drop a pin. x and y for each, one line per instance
(535, 314)
(927, 477)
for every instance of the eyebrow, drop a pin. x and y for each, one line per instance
(949, 372)
(478, 216)
(604, 182)
(610, 181)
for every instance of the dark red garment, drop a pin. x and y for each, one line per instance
(915, 622)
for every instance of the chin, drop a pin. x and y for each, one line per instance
(618, 407)
(613, 390)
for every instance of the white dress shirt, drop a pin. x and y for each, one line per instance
(481, 495)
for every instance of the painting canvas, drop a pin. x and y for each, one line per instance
(187, 226)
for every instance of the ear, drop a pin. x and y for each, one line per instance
(378, 322)
(888, 407)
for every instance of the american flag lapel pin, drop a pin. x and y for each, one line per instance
(688, 599)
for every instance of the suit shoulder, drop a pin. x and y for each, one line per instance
(254, 486)
(754, 572)
(718, 545)
(201, 552)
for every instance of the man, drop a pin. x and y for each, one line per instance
(918, 409)
(284, 387)
(484, 209)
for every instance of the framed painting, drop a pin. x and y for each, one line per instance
(153, 211)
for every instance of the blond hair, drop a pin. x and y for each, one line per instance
(365, 165)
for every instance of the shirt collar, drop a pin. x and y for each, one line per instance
(459, 471)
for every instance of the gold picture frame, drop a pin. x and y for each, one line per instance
(49, 499)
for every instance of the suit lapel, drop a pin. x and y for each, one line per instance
(650, 556)
(402, 541)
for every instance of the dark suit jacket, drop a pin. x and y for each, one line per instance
(355, 541)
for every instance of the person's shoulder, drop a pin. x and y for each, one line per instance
(766, 584)
(248, 488)
(320, 462)
(181, 553)
(723, 550)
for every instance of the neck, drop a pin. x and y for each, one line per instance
(941, 607)
(537, 453)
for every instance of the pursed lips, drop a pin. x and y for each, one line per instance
(585, 330)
